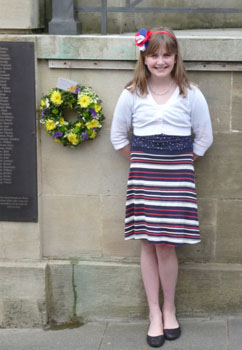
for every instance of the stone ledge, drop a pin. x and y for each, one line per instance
(23, 299)
(32, 294)
(203, 290)
(196, 45)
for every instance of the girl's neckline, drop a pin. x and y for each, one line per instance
(173, 95)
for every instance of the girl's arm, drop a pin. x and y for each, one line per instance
(195, 156)
(125, 151)
(122, 120)
(201, 124)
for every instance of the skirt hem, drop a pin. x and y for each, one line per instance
(172, 244)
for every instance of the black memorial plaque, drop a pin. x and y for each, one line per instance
(18, 162)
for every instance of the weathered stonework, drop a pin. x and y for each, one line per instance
(24, 14)
(112, 289)
(132, 22)
(23, 301)
(74, 263)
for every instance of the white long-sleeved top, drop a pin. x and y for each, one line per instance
(179, 116)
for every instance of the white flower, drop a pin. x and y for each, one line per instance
(47, 102)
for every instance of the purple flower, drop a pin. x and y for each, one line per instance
(93, 113)
(84, 136)
(77, 89)
(57, 134)
(42, 114)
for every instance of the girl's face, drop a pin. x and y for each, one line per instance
(160, 63)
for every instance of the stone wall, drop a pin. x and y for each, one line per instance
(74, 262)
(132, 22)
(23, 15)
(29, 16)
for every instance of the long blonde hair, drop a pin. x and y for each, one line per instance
(141, 74)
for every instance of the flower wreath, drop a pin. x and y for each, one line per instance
(89, 114)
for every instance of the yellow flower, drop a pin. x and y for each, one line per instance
(56, 98)
(50, 125)
(93, 135)
(57, 140)
(42, 103)
(84, 101)
(72, 89)
(61, 120)
(97, 108)
(93, 124)
(73, 138)
(79, 124)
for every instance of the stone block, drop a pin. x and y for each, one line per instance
(61, 292)
(25, 14)
(109, 290)
(209, 289)
(215, 87)
(90, 169)
(237, 102)
(80, 168)
(228, 236)
(115, 176)
(202, 252)
(20, 240)
(23, 300)
(197, 48)
(46, 81)
(219, 172)
(93, 47)
(113, 243)
(207, 211)
(71, 225)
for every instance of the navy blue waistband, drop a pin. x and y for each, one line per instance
(165, 144)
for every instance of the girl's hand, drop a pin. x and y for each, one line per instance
(125, 151)
(195, 156)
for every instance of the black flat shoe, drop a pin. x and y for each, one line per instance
(172, 334)
(155, 342)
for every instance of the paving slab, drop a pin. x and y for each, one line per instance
(235, 333)
(125, 336)
(200, 335)
(196, 335)
(87, 337)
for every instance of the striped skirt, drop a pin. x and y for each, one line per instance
(161, 204)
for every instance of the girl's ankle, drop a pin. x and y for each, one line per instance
(156, 311)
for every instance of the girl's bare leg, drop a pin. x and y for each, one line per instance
(151, 279)
(168, 270)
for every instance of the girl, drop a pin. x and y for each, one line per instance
(161, 209)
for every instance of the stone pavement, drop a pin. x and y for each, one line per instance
(197, 334)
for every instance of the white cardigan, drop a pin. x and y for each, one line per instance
(179, 116)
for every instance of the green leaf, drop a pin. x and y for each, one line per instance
(77, 129)
(63, 128)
